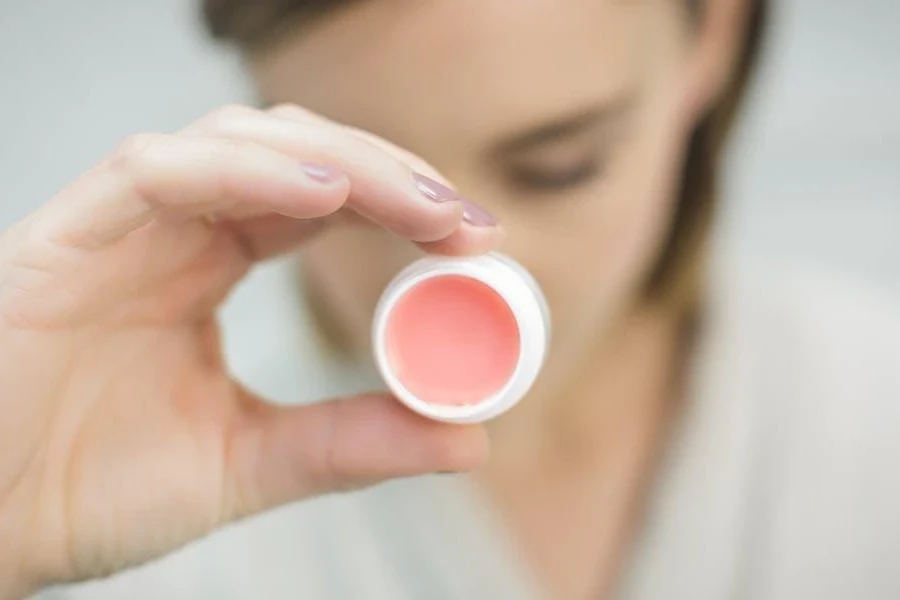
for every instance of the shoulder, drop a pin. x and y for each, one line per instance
(821, 355)
(815, 328)
(822, 371)
(781, 479)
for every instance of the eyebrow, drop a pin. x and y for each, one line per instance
(560, 128)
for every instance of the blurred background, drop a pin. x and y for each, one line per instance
(814, 175)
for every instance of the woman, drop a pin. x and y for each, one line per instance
(684, 441)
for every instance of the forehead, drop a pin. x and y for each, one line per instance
(456, 69)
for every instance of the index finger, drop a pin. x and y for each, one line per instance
(389, 187)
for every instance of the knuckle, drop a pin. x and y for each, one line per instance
(231, 148)
(131, 150)
(325, 467)
(295, 111)
(227, 114)
(125, 161)
(134, 147)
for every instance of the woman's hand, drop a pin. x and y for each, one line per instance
(122, 435)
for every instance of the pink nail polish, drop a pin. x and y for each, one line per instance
(436, 191)
(322, 173)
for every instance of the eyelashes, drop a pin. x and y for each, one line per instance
(554, 180)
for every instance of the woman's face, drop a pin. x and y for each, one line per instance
(563, 119)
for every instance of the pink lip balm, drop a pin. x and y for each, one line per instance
(461, 340)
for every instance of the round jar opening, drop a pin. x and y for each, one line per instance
(452, 340)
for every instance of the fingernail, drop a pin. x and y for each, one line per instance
(321, 173)
(476, 215)
(438, 192)
(434, 190)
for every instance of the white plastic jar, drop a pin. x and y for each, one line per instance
(461, 340)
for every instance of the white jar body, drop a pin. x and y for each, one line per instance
(522, 295)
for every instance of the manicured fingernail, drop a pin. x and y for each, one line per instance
(438, 192)
(477, 216)
(434, 190)
(321, 173)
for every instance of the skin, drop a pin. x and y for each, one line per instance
(124, 436)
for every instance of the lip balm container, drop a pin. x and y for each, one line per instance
(461, 340)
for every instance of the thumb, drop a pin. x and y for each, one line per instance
(281, 454)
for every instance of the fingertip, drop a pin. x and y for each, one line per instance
(281, 454)
(459, 211)
(382, 438)
(445, 221)
(447, 447)
(467, 240)
(465, 448)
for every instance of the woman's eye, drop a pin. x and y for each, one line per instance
(549, 180)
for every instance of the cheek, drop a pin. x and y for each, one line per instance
(593, 253)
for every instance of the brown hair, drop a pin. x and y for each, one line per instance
(677, 276)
